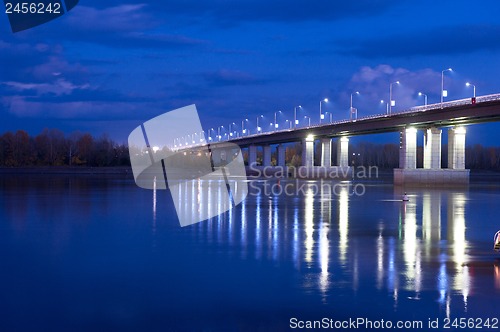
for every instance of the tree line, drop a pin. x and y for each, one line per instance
(53, 148)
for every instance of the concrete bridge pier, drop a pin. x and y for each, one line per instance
(326, 152)
(343, 152)
(432, 173)
(408, 149)
(308, 151)
(456, 148)
(432, 148)
(325, 170)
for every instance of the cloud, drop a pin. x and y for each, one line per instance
(58, 88)
(373, 84)
(443, 40)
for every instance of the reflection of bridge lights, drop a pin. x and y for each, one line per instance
(309, 225)
(380, 260)
(497, 276)
(257, 227)
(324, 246)
(410, 240)
(343, 222)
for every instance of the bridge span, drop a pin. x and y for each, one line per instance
(453, 115)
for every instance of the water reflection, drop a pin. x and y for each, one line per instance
(399, 247)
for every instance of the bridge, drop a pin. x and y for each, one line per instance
(452, 115)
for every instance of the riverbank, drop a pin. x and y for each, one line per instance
(383, 174)
(66, 170)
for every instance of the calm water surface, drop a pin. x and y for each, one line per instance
(99, 254)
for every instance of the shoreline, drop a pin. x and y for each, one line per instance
(39, 170)
(384, 174)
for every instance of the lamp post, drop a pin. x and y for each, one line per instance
(295, 121)
(425, 97)
(243, 130)
(443, 91)
(210, 136)
(351, 110)
(290, 123)
(230, 127)
(218, 132)
(275, 120)
(469, 84)
(330, 116)
(391, 102)
(259, 129)
(386, 106)
(321, 116)
(308, 117)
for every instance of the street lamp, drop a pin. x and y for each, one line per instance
(210, 136)
(288, 121)
(330, 115)
(391, 102)
(469, 84)
(230, 131)
(308, 117)
(218, 132)
(444, 93)
(425, 97)
(259, 129)
(386, 106)
(243, 130)
(321, 115)
(275, 120)
(295, 121)
(351, 110)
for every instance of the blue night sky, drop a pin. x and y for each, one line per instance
(108, 66)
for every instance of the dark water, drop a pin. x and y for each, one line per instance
(98, 254)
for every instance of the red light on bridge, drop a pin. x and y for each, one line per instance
(473, 100)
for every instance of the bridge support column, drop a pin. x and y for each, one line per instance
(326, 152)
(432, 149)
(408, 149)
(266, 158)
(432, 174)
(456, 148)
(343, 152)
(281, 156)
(308, 151)
(252, 155)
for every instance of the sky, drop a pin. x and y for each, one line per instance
(106, 67)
